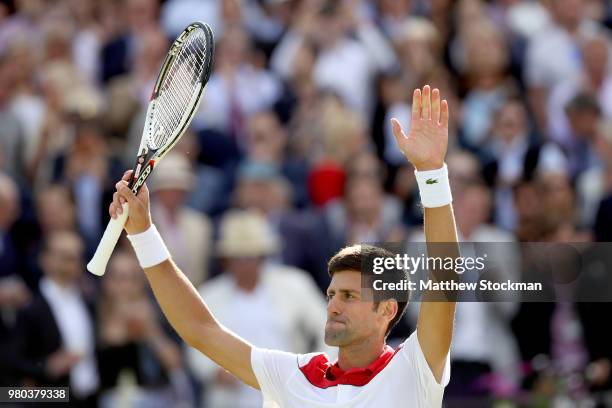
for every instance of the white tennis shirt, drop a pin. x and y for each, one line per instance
(399, 378)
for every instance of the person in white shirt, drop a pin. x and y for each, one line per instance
(367, 53)
(54, 341)
(367, 373)
(285, 308)
(553, 53)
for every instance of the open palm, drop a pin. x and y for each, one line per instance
(427, 140)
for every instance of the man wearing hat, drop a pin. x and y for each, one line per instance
(271, 305)
(368, 373)
(187, 231)
(263, 188)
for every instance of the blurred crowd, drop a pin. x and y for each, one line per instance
(289, 158)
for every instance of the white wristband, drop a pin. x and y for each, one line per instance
(149, 247)
(434, 187)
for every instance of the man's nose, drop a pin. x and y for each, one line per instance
(333, 306)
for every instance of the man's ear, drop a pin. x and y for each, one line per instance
(390, 308)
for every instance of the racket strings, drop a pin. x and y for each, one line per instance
(178, 89)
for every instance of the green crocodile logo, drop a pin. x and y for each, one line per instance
(431, 181)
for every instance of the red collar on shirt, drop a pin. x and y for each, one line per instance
(321, 373)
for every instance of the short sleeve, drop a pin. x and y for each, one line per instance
(273, 369)
(413, 352)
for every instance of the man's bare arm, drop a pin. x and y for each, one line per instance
(435, 323)
(425, 146)
(180, 301)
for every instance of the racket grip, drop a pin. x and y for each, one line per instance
(107, 244)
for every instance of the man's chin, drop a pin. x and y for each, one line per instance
(334, 338)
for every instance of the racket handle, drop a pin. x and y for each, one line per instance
(107, 244)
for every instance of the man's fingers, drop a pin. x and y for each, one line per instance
(112, 209)
(398, 132)
(426, 103)
(144, 191)
(127, 175)
(126, 193)
(397, 128)
(416, 105)
(435, 105)
(444, 113)
(115, 208)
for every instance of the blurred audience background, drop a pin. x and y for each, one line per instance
(293, 144)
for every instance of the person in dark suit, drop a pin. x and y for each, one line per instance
(13, 291)
(54, 338)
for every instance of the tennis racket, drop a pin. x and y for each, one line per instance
(174, 101)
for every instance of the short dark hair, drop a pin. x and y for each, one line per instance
(352, 258)
(583, 102)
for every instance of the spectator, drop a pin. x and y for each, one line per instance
(244, 298)
(190, 231)
(9, 202)
(118, 51)
(263, 189)
(87, 167)
(54, 341)
(419, 48)
(329, 27)
(267, 142)
(513, 156)
(129, 93)
(524, 18)
(583, 114)
(553, 55)
(364, 214)
(27, 104)
(549, 340)
(11, 138)
(267, 21)
(484, 61)
(237, 89)
(72, 106)
(212, 187)
(13, 292)
(132, 339)
(594, 79)
(392, 14)
(596, 183)
(87, 41)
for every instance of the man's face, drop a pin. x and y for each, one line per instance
(364, 198)
(244, 268)
(171, 198)
(124, 279)
(568, 13)
(511, 122)
(63, 259)
(350, 319)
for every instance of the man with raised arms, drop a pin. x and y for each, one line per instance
(368, 373)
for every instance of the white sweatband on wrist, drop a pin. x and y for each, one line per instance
(149, 247)
(434, 187)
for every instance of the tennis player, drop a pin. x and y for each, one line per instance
(368, 373)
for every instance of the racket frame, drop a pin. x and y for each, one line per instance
(148, 156)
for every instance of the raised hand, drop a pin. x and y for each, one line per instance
(139, 219)
(427, 140)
